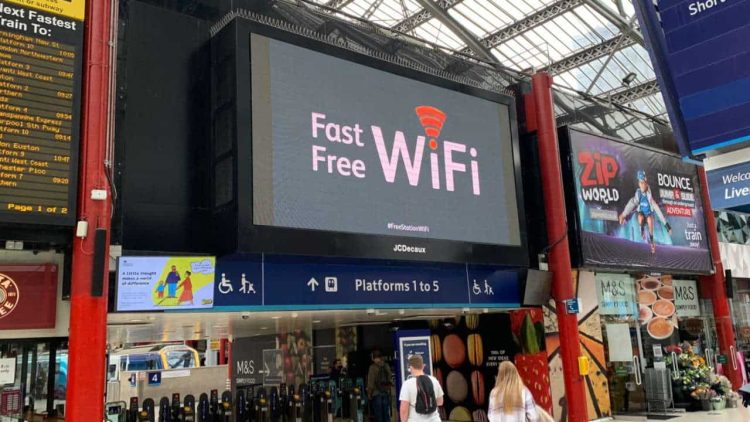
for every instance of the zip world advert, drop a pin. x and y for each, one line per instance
(637, 207)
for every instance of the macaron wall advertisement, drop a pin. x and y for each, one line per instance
(466, 353)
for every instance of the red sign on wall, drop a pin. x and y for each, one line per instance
(28, 296)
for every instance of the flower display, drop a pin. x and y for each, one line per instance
(697, 379)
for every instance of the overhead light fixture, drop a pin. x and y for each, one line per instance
(295, 315)
(316, 321)
(263, 328)
(275, 317)
(629, 78)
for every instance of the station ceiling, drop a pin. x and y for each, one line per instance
(589, 46)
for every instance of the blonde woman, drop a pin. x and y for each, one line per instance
(510, 400)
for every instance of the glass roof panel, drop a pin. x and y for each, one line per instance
(434, 31)
(552, 40)
(391, 12)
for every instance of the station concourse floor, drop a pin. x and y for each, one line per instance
(726, 415)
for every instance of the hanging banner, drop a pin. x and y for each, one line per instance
(616, 294)
(686, 298)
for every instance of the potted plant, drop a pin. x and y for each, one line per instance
(718, 402)
(732, 399)
(704, 394)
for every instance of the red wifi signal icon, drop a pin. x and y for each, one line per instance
(432, 120)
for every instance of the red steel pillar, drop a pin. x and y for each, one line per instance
(716, 284)
(222, 351)
(88, 313)
(559, 256)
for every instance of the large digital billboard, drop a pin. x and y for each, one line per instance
(637, 207)
(339, 146)
(338, 153)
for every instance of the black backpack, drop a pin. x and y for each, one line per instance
(383, 381)
(426, 402)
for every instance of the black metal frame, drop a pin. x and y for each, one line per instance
(234, 41)
(571, 200)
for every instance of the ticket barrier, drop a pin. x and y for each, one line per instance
(289, 404)
(355, 405)
(176, 407)
(116, 411)
(132, 414)
(147, 412)
(213, 408)
(204, 408)
(165, 410)
(226, 410)
(240, 406)
(188, 409)
(308, 404)
(326, 405)
(274, 405)
(262, 407)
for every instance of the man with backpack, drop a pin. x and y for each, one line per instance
(379, 388)
(421, 394)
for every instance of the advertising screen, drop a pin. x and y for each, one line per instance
(343, 147)
(637, 208)
(165, 283)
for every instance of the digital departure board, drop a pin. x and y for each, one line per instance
(40, 85)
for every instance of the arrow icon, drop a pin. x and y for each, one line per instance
(313, 283)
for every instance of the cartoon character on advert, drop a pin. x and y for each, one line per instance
(645, 206)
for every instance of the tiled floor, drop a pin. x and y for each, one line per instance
(727, 415)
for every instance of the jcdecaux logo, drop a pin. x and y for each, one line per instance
(447, 161)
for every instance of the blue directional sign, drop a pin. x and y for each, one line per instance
(729, 187)
(263, 282)
(702, 57)
(239, 283)
(154, 378)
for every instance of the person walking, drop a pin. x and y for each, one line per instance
(510, 400)
(379, 388)
(421, 394)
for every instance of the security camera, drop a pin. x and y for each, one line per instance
(245, 315)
